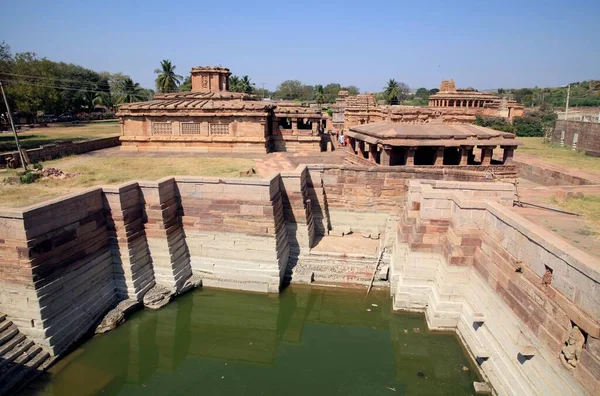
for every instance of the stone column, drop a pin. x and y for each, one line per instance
(439, 156)
(486, 154)
(410, 156)
(353, 145)
(464, 155)
(454, 103)
(360, 149)
(372, 153)
(508, 154)
(385, 155)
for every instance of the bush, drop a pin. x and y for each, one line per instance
(497, 123)
(528, 126)
(38, 166)
(29, 177)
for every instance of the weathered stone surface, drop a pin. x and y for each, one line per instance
(482, 388)
(158, 297)
(117, 316)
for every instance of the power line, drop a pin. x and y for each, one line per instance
(36, 84)
(45, 78)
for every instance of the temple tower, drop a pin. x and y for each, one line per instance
(210, 79)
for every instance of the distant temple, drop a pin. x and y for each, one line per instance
(210, 118)
(487, 103)
(449, 106)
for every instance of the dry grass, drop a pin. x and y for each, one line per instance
(33, 138)
(555, 154)
(95, 171)
(587, 206)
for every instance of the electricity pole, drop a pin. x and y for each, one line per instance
(12, 125)
(567, 105)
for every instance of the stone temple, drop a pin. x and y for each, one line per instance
(210, 118)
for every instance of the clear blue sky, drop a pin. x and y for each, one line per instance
(483, 44)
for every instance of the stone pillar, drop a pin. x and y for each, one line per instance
(132, 264)
(164, 232)
(486, 154)
(464, 155)
(353, 145)
(508, 154)
(410, 156)
(360, 149)
(385, 155)
(372, 153)
(454, 103)
(439, 156)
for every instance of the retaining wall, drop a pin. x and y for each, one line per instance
(588, 135)
(474, 266)
(52, 151)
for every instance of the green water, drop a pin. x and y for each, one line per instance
(302, 342)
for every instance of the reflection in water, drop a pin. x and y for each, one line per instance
(304, 341)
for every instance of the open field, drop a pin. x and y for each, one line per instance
(554, 154)
(94, 171)
(33, 138)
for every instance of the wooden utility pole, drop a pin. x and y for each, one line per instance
(12, 125)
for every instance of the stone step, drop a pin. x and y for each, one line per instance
(2, 317)
(10, 344)
(5, 324)
(16, 376)
(8, 334)
(15, 352)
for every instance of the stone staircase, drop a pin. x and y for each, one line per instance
(331, 269)
(20, 358)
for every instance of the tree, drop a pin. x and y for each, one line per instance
(392, 92)
(319, 94)
(246, 85)
(105, 99)
(234, 84)
(132, 92)
(290, 90)
(167, 80)
(352, 89)
(186, 85)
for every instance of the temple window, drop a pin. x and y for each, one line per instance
(219, 129)
(162, 128)
(284, 123)
(304, 124)
(190, 128)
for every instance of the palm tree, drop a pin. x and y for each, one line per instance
(105, 99)
(392, 92)
(246, 85)
(132, 92)
(88, 97)
(234, 84)
(319, 94)
(167, 80)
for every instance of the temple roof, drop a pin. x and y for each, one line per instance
(430, 135)
(198, 101)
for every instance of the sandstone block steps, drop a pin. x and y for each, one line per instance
(20, 358)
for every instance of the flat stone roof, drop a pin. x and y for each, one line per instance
(431, 135)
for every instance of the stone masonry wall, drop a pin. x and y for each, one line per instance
(65, 263)
(53, 151)
(588, 134)
(464, 243)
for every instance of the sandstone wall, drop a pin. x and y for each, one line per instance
(588, 134)
(53, 151)
(548, 177)
(474, 266)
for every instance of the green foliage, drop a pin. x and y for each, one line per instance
(186, 85)
(37, 86)
(535, 123)
(294, 90)
(29, 177)
(132, 92)
(395, 92)
(585, 93)
(497, 123)
(319, 94)
(330, 112)
(167, 80)
(38, 166)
